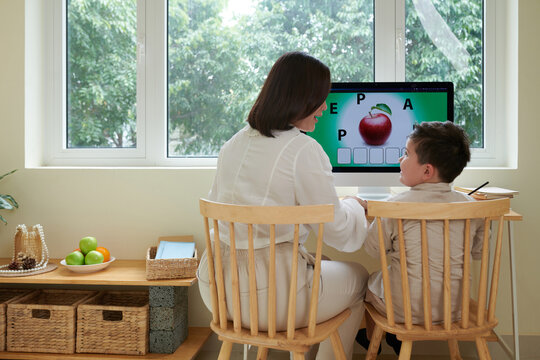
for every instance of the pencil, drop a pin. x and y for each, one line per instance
(478, 188)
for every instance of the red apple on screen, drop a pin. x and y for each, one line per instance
(376, 128)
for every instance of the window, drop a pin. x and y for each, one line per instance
(168, 82)
(219, 57)
(444, 41)
(101, 74)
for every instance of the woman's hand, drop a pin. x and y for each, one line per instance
(362, 202)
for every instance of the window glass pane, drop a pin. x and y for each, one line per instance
(219, 53)
(101, 73)
(444, 42)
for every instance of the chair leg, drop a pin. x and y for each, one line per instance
(454, 349)
(298, 356)
(262, 353)
(225, 352)
(337, 345)
(374, 343)
(405, 351)
(481, 347)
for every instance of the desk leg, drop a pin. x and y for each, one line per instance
(513, 284)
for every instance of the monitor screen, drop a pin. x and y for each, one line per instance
(365, 127)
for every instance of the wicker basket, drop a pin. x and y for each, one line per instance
(44, 321)
(114, 322)
(158, 269)
(7, 296)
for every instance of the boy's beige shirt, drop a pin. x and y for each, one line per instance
(439, 192)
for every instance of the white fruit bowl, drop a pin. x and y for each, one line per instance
(87, 268)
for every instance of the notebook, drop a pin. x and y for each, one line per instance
(489, 192)
(175, 250)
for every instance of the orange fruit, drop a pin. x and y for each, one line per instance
(105, 252)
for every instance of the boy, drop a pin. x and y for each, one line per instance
(436, 153)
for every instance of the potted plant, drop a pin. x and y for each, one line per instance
(7, 202)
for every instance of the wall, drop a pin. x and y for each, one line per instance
(127, 209)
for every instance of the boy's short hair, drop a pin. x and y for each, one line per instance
(443, 145)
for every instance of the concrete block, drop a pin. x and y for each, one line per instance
(168, 318)
(168, 296)
(167, 341)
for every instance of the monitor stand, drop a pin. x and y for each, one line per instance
(380, 193)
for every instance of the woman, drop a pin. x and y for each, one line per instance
(272, 162)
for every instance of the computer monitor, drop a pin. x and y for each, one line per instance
(365, 127)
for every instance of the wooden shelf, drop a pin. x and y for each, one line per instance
(187, 351)
(120, 272)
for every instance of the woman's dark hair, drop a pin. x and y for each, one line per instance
(295, 87)
(443, 145)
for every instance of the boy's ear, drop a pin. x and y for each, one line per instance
(430, 173)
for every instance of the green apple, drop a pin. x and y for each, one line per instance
(75, 258)
(87, 244)
(93, 257)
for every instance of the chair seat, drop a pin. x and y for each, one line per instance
(301, 342)
(437, 332)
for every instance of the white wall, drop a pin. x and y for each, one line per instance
(127, 209)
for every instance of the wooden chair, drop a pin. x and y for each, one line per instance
(297, 341)
(477, 316)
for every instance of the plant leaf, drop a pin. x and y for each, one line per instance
(10, 199)
(382, 107)
(3, 220)
(5, 204)
(6, 174)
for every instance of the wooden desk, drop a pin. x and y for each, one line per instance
(513, 216)
(119, 273)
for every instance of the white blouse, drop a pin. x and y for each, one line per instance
(288, 169)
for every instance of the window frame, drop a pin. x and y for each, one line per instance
(500, 113)
(58, 153)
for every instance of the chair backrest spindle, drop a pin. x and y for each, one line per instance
(405, 289)
(219, 279)
(447, 286)
(291, 319)
(253, 308)
(465, 288)
(211, 273)
(272, 284)
(316, 282)
(237, 312)
(426, 284)
(482, 287)
(386, 276)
